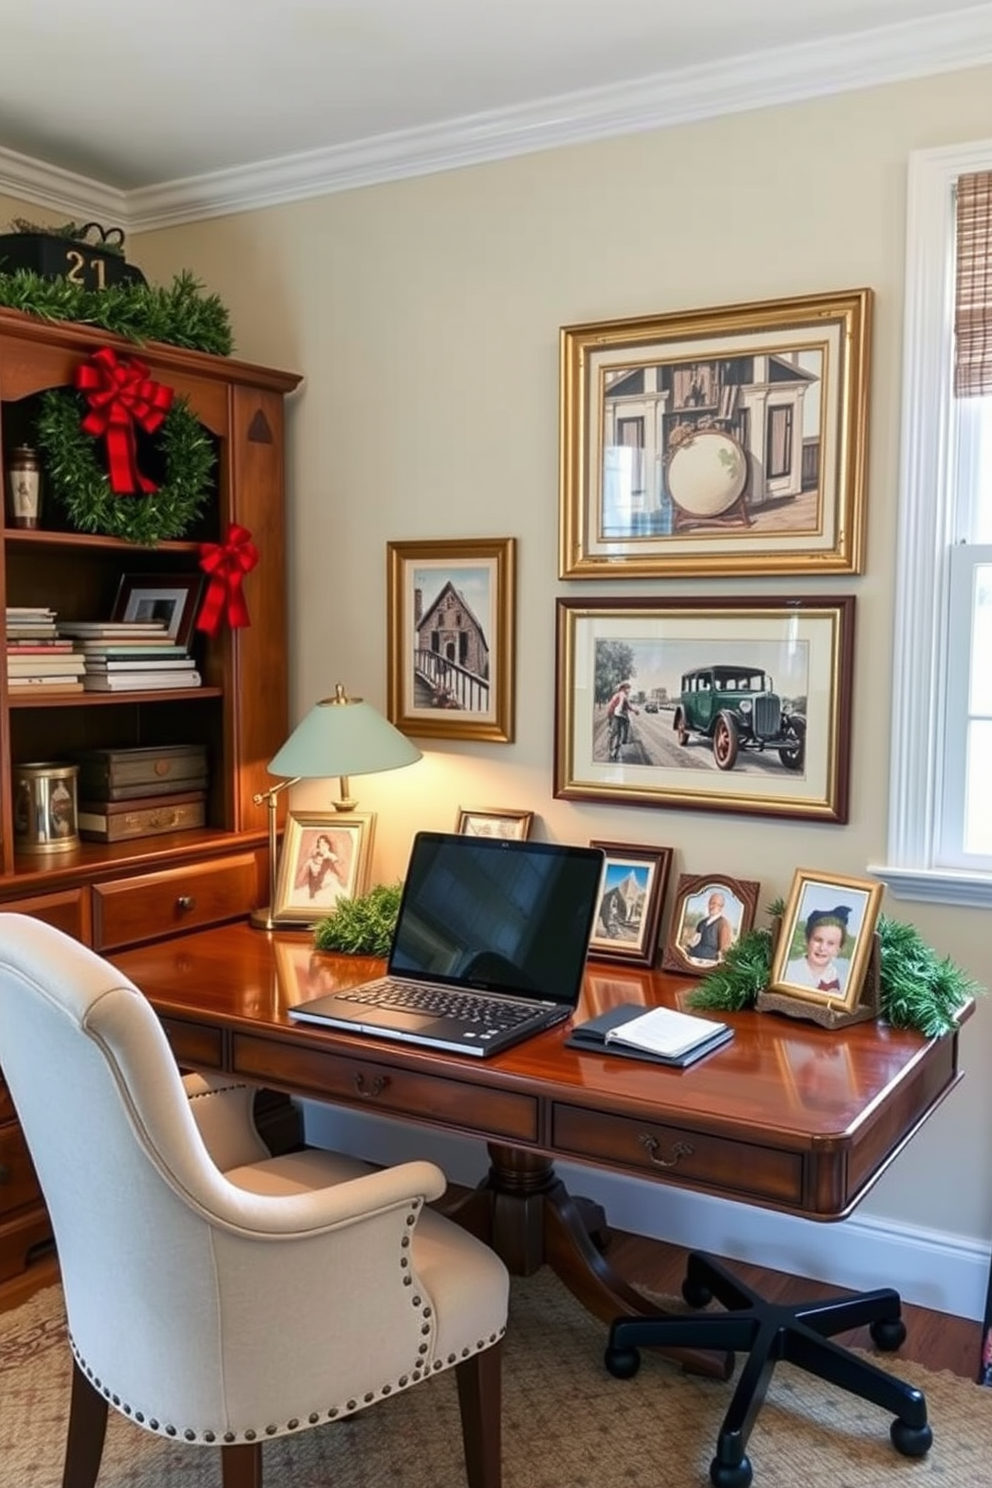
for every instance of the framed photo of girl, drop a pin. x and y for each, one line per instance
(710, 914)
(825, 939)
(323, 859)
(450, 625)
(631, 893)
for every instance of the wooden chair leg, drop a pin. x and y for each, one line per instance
(85, 1434)
(481, 1401)
(241, 1466)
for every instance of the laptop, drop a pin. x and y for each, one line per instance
(489, 946)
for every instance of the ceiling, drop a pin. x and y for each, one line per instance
(185, 109)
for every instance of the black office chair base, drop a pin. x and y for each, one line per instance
(769, 1332)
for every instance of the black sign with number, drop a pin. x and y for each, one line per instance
(55, 257)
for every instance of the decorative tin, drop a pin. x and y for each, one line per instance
(81, 256)
(24, 486)
(45, 813)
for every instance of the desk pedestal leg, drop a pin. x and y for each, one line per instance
(528, 1216)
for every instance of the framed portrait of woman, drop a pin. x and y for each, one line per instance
(323, 859)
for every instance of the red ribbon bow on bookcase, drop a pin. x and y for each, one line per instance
(226, 563)
(122, 395)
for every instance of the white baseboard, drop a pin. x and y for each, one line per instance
(945, 1272)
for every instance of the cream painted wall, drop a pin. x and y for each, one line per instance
(425, 315)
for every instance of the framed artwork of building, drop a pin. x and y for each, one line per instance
(450, 613)
(729, 440)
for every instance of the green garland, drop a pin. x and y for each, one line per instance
(916, 987)
(179, 315)
(362, 926)
(74, 477)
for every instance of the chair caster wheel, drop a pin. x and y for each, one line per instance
(695, 1294)
(739, 1476)
(911, 1441)
(622, 1363)
(888, 1333)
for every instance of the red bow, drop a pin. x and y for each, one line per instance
(226, 563)
(121, 394)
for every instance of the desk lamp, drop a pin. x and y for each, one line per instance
(339, 736)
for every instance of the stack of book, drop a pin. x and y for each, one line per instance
(38, 658)
(130, 656)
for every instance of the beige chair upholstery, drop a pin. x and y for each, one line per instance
(216, 1294)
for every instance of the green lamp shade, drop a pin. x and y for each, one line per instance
(342, 736)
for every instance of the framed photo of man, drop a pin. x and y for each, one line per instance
(710, 914)
(825, 939)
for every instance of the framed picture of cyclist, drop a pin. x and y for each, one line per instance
(716, 703)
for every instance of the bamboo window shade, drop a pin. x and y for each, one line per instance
(973, 286)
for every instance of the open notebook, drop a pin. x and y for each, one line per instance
(489, 946)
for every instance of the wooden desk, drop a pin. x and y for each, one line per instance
(788, 1116)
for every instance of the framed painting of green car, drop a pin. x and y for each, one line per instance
(712, 704)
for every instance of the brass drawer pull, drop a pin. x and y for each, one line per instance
(185, 903)
(679, 1150)
(374, 1088)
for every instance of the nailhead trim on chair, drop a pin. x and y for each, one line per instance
(207, 1435)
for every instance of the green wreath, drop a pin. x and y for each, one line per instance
(75, 478)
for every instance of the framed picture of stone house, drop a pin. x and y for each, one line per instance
(450, 620)
(631, 894)
(721, 441)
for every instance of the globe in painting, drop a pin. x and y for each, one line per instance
(707, 473)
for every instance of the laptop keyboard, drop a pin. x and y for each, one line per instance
(473, 1009)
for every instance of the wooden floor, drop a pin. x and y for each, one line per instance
(934, 1339)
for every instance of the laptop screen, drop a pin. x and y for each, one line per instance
(501, 915)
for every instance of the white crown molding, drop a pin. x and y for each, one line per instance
(958, 40)
(60, 190)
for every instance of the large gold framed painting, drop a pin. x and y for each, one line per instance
(723, 441)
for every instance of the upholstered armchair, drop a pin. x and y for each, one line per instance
(215, 1294)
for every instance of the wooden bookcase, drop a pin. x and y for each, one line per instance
(111, 895)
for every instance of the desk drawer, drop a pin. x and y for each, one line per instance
(18, 1184)
(387, 1091)
(193, 1045)
(128, 910)
(741, 1169)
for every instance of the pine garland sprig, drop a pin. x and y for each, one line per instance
(179, 314)
(916, 987)
(362, 926)
(79, 484)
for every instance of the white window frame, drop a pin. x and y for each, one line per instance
(925, 515)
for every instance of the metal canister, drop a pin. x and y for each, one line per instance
(24, 485)
(45, 807)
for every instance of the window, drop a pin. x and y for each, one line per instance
(940, 807)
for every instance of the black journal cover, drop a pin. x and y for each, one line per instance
(591, 1037)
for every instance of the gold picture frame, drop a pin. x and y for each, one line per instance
(450, 623)
(825, 939)
(730, 440)
(325, 857)
(734, 704)
(474, 821)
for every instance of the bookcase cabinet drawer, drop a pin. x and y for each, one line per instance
(129, 910)
(66, 909)
(18, 1184)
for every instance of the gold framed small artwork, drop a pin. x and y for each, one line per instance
(825, 939)
(494, 822)
(628, 911)
(450, 626)
(710, 914)
(324, 858)
(728, 440)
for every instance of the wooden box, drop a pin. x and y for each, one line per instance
(146, 816)
(124, 774)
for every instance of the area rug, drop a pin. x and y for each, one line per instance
(566, 1422)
